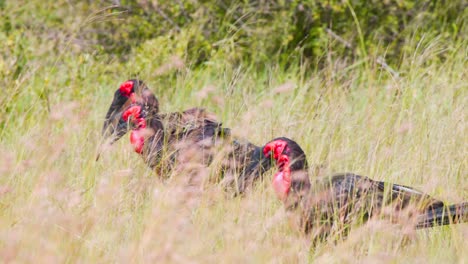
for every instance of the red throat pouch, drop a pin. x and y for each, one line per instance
(282, 179)
(281, 185)
(137, 140)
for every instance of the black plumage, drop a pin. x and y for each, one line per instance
(179, 140)
(332, 205)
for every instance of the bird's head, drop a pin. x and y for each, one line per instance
(133, 91)
(130, 92)
(289, 157)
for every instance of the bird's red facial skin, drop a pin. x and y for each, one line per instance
(282, 179)
(126, 88)
(276, 148)
(133, 111)
(137, 138)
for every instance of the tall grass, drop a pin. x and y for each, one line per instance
(58, 205)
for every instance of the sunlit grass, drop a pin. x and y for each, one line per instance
(57, 204)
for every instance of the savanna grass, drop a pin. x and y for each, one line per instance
(58, 205)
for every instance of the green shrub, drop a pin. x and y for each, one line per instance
(264, 31)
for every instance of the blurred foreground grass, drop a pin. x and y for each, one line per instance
(58, 205)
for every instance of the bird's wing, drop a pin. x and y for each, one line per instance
(404, 195)
(180, 123)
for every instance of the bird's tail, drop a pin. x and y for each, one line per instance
(444, 215)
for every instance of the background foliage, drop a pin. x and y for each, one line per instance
(258, 31)
(373, 87)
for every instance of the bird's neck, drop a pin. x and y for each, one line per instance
(145, 124)
(290, 180)
(151, 134)
(282, 181)
(137, 135)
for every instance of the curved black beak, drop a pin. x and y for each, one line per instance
(114, 126)
(113, 132)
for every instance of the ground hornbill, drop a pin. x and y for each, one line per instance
(179, 141)
(328, 207)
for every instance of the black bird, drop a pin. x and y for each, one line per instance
(331, 205)
(177, 140)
